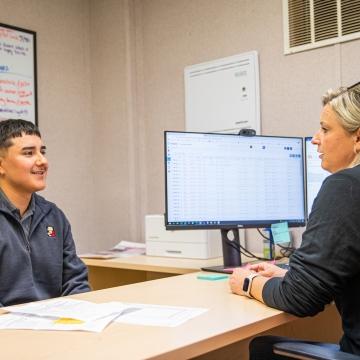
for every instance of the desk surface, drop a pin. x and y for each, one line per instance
(230, 318)
(154, 263)
(169, 265)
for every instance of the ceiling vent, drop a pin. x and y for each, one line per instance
(309, 24)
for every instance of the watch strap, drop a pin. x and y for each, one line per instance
(248, 282)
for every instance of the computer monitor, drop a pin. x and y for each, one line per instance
(228, 181)
(315, 174)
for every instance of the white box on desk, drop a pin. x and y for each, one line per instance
(192, 244)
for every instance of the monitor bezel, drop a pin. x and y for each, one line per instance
(233, 225)
(306, 138)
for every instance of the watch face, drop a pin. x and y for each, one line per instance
(246, 284)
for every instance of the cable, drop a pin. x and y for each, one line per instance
(265, 237)
(285, 251)
(251, 255)
(239, 249)
(243, 251)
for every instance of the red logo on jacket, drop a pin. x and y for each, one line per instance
(51, 231)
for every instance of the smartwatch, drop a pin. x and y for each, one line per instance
(248, 282)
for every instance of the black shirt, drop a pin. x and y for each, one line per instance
(326, 266)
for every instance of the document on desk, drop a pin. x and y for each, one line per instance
(120, 250)
(157, 315)
(124, 244)
(33, 322)
(72, 314)
(67, 308)
(61, 314)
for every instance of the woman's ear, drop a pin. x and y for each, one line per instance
(2, 154)
(357, 141)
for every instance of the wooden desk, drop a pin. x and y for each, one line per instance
(222, 332)
(104, 274)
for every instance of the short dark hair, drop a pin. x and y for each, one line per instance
(13, 128)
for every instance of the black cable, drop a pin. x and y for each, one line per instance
(285, 251)
(265, 237)
(251, 255)
(243, 251)
(237, 248)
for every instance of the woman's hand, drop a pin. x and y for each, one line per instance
(267, 269)
(236, 280)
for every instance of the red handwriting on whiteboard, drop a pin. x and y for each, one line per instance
(13, 35)
(7, 101)
(23, 93)
(7, 82)
(22, 83)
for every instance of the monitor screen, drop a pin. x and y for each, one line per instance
(315, 174)
(232, 181)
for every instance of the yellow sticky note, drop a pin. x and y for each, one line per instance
(68, 321)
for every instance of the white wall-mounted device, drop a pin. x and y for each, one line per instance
(223, 95)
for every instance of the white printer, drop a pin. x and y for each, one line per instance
(193, 244)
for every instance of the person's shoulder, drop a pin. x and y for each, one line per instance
(353, 172)
(46, 205)
(350, 174)
(341, 183)
(41, 201)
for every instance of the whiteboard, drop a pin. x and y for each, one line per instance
(18, 99)
(223, 95)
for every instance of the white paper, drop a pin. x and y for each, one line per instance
(157, 315)
(93, 317)
(65, 308)
(123, 244)
(32, 322)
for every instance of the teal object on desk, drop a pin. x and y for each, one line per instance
(280, 232)
(212, 277)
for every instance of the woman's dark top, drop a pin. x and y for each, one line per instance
(326, 266)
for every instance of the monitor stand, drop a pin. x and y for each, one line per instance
(231, 252)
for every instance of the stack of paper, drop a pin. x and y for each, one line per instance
(71, 314)
(122, 249)
(158, 315)
(59, 314)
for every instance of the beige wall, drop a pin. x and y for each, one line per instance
(111, 81)
(181, 33)
(65, 116)
(114, 166)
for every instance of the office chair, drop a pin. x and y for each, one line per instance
(306, 351)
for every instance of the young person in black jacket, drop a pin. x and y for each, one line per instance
(37, 252)
(326, 267)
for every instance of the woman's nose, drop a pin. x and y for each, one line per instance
(315, 140)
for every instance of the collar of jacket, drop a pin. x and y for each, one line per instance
(42, 208)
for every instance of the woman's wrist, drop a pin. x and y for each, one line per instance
(257, 286)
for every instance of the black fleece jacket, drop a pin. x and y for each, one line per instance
(45, 264)
(326, 266)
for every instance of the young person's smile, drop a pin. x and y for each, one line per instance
(23, 165)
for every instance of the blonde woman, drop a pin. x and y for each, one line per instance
(326, 267)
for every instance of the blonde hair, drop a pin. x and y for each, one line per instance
(345, 101)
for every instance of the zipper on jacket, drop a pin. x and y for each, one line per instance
(26, 239)
(27, 243)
